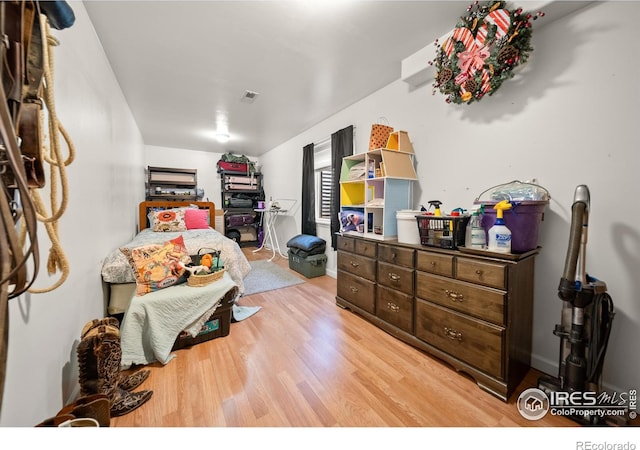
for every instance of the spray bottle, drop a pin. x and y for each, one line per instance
(435, 228)
(476, 237)
(436, 205)
(499, 234)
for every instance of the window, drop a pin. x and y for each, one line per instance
(324, 193)
(322, 165)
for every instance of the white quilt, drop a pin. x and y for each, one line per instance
(153, 321)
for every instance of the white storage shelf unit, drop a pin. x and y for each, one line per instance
(381, 196)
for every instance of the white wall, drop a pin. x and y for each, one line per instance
(106, 183)
(569, 118)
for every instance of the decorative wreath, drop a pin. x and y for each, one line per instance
(482, 51)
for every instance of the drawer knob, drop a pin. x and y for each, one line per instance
(453, 334)
(454, 296)
(478, 272)
(353, 289)
(354, 264)
(393, 307)
(394, 277)
(433, 263)
(393, 256)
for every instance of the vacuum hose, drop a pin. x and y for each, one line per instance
(579, 215)
(600, 331)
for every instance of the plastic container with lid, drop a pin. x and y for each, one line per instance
(408, 232)
(528, 203)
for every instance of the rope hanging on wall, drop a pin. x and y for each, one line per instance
(57, 260)
(16, 23)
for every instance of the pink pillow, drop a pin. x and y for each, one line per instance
(196, 218)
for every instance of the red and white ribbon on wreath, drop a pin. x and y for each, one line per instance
(501, 19)
(471, 60)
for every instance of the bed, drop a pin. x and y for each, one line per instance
(120, 283)
(152, 322)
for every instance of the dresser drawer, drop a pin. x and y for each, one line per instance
(395, 255)
(435, 263)
(395, 308)
(357, 265)
(357, 290)
(472, 341)
(395, 277)
(365, 248)
(484, 303)
(481, 272)
(346, 244)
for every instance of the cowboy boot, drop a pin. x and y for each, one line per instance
(132, 381)
(126, 382)
(96, 406)
(81, 422)
(99, 358)
(96, 322)
(90, 408)
(56, 421)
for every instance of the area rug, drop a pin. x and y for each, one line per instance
(267, 276)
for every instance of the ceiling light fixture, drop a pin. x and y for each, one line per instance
(222, 128)
(222, 137)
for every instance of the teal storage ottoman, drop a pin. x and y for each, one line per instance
(311, 266)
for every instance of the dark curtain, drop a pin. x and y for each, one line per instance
(341, 146)
(308, 192)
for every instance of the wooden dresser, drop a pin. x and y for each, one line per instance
(472, 310)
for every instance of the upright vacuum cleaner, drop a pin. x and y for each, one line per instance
(587, 315)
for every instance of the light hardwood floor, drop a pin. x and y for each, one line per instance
(302, 361)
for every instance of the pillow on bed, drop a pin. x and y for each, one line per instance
(155, 266)
(169, 220)
(151, 212)
(196, 219)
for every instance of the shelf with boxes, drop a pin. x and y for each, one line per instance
(167, 183)
(374, 186)
(241, 193)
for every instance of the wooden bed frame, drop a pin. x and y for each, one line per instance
(146, 206)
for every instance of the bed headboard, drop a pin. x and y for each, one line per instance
(158, 205)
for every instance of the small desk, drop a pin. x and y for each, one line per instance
(270, 216)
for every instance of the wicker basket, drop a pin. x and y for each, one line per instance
(203, 280)
(195, 259)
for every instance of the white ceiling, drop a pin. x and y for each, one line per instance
(181, 63)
